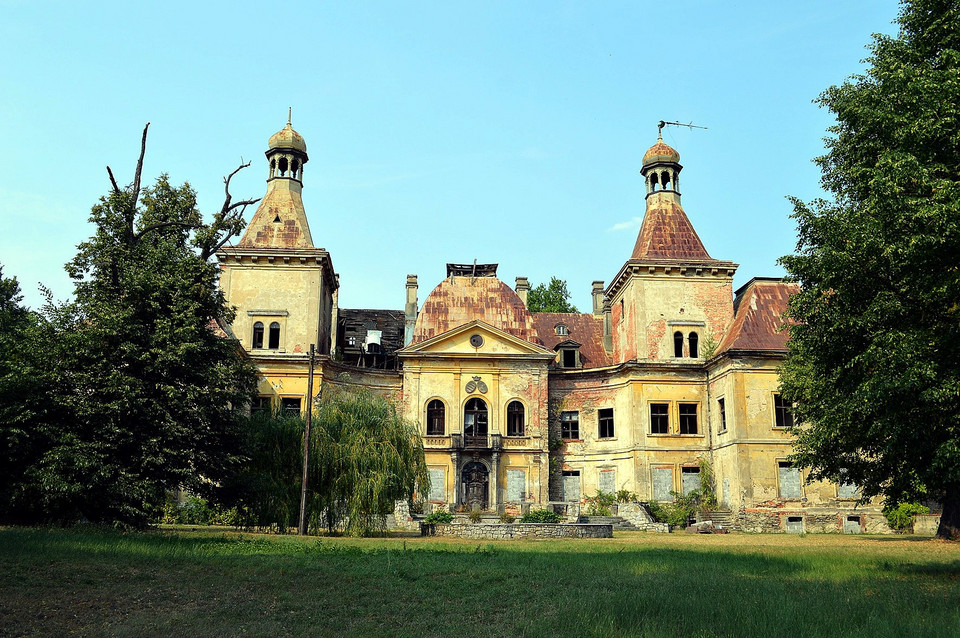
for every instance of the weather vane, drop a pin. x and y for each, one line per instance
(663, 123)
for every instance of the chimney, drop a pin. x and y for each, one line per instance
(410, 310)
(523, 287)
(607, 328)
(597, 293)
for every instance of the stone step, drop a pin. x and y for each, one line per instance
(618, 522)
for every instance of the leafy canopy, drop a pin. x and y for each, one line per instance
(553, 297)
(873, 356)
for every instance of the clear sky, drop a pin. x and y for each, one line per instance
(508, 132)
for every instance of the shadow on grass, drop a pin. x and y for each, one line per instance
(335, 586)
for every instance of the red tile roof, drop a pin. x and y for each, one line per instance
(460, 300)
(667, 233)
(584, 328)
(758, 323)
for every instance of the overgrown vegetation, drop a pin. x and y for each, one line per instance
(902, 516)
(700, 500)
(541, 516)
(440, 517)
(600, 504)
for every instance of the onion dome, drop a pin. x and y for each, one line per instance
(660, 152)
(287, 138)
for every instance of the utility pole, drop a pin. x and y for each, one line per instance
(302, 529)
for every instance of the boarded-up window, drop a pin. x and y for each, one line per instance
(607, 481)
(571, 486)
(790, 486)
(438, 477)
(689, 479)
(852, 525)
(794, 525)
(516, 485)
(662, 483)
(848, 490)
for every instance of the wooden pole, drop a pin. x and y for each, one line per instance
(302, 529)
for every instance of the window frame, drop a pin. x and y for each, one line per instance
(273, 338)
(722, 411)
(514, 408)
(782, 413)
(256, 342)
(683, 419)
(564, 425)
(286, 405)
(606, 420)
(477, 421)
(431, 417)
(785, 464)
(665, 417)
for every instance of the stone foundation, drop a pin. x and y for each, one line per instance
(510, 531)
(811, 520)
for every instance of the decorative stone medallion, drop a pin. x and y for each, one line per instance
(476, 384)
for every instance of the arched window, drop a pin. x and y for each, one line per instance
(258, 335)
(475, 417)
(693, 339)
(678, 344)
(561, 329)
(274, 336)
(515, 419)
(436, 415)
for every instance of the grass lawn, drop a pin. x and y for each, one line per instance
(216, 582)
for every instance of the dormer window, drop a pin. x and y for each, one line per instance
(569, 354)
(561, 329)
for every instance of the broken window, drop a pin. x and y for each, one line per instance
(290, 405)
(436, 418)
(688, 418)
(515, 419)
(571, 486)
(783, 412)
(678, 344)
(570, 425)
(689, 479)
(260, 404)
(605, 421)
(274, 336)
(258, 335)
(475, 417)
(790, 485)
(659, 418)
(693, 339)
(723, 415)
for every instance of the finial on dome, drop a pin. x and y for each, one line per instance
(290, 115)
(660, 130)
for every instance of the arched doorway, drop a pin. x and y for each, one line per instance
(474, 485)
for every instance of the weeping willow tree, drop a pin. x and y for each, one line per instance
(364, 458)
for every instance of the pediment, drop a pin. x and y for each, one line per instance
(462, 341)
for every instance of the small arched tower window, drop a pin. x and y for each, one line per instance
(665, 180)
(515, 419)
(282, 165)
(436, 418)
(694, 340)
(678, 344)
(258, 335)
(475, 417)
(273, 168)
(653, 181)
(274, 336)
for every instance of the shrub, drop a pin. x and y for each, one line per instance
(678, 513)
(599, 505)
(475, 516)
(507, 518)
(439, 517)
(902, 516)
(626, 496)
(541, 516)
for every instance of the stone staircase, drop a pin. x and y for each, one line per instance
(720, 518)
(618, 522)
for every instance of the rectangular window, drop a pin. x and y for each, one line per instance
(290, 405)
(571, 486)
(516, 485)
(605, 417)
(790, 485)
(438, 476)
(260, 404)
(662, 484)
(723, 415)
(783, 412)
(689, 479)
(688, 418)
(659, 418)
(607, 481)
(570, 425)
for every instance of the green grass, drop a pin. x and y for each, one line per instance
(91, 582)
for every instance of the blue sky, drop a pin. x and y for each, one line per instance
(507, 132)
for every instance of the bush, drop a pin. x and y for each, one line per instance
(439, 517)
(902, 516)
(600, 504)
(678, 513)
(626, 496)
(541, 516)
(475, 516)
(507, 518)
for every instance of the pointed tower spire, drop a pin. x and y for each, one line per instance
(280, 221)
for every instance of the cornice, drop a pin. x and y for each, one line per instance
(658, 268)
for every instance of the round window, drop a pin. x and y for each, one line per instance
(476, 341)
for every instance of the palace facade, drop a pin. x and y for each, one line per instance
(671, 372)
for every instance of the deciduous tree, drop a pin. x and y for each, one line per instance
(553, 297)
(873, 355)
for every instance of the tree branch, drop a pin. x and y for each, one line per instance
(136, 176)
(161, 225)
(116, 189)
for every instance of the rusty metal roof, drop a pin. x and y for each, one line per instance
(584, 328)
(280, 220)
(758, 323)
(460, 300)
(667, 233)
(660, 152)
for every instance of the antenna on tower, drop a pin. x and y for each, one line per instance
(664, 123)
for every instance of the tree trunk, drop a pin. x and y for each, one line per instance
(950, 519)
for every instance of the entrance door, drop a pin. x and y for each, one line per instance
(474, 485)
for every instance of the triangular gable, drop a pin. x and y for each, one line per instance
(567, 343)
(456, 342)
